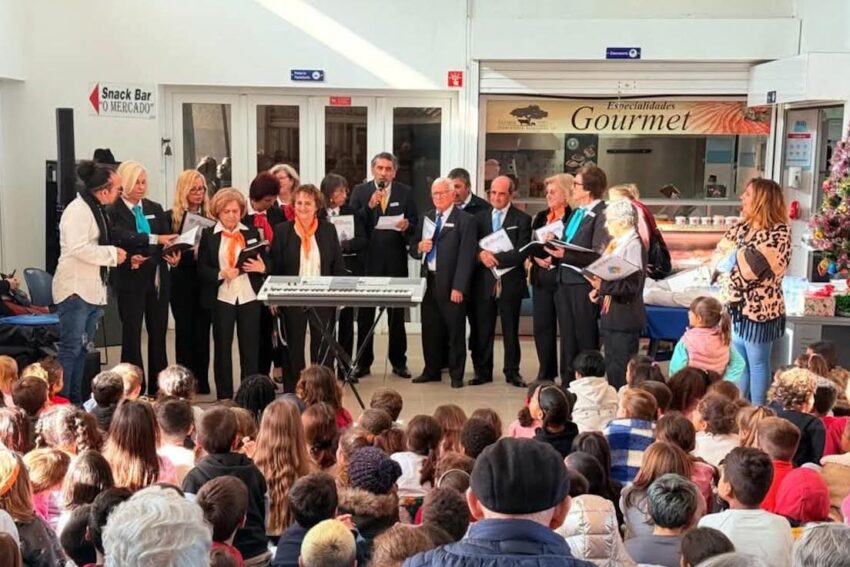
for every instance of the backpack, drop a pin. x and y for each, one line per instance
(658, 265)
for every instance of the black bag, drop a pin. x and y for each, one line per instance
(658, 265)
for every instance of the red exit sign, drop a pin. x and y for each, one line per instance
(340, 101)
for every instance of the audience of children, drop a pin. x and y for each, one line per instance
(399, 491)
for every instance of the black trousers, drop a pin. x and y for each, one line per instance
(152, 307)
(397, 336)
(245, 317)
(577, 320)
(545, 311)
(487, 309)
(296, 319)
(269, 353)
(619, 347)
(440, 319)
(191, 332)
(345, 331)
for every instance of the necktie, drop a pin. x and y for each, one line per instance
(385, 201)
(572, 226)
(432, 255)
(497, 220)
(142, 224)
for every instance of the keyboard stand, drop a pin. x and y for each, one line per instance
(342, 357)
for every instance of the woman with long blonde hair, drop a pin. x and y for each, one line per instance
(752, 258)
(143, 284)
(191, 320)
(282, 457)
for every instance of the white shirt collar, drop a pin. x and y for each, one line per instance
(333, 211)
(219, 227)
(503, 211)
(590, 205)
(467, 200)
(445, 213)
(129, 204)
(281, 203)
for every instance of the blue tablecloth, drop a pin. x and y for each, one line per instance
(47, 319)
(665, 322)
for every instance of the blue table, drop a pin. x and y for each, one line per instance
(664, 323)
(46, 319)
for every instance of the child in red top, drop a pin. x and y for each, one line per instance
(318, 384)
(224, 501)
(826, 395)
(778, 438)
(55, 380)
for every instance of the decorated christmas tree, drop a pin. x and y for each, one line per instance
(831, 227)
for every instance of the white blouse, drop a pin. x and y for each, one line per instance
(312, 265)
(237, 290)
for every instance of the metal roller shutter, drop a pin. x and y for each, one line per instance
(606, 78)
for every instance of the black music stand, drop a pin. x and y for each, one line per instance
(339, 352)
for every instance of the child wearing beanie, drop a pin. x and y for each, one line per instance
(369, 496)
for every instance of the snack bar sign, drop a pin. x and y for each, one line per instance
(122, 100)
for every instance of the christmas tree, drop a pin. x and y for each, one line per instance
(831, 227)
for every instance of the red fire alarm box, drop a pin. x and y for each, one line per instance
(455, 79)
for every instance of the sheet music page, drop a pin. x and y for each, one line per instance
(556, 229)
(429, 227)
(344, 225)
(389, 222)
(193, 220)
(184, 241)
(496, 242)
(612, 268)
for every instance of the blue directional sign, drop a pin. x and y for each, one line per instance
(622, 53)
(315, 75)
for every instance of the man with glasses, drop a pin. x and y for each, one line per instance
(445, 241)
(387, 253)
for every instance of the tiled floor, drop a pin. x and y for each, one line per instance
(421, 398)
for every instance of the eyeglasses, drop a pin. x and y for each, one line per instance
(578, 183)
(197, 189)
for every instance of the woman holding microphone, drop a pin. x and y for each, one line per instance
(305, 246)
(142, 284)
(230, 290)
(191, 319)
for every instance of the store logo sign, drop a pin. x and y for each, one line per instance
(529, 115)
(622, 53)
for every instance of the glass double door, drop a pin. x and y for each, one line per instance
(230, 138)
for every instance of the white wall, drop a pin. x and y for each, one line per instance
(69, 45)
(11, 39)
(826, 25)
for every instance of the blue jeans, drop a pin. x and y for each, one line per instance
(77, 326)
(756, 378)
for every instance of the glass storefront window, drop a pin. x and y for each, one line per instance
(345, 142)
(207, 142)
(416, 143)
(278, 136)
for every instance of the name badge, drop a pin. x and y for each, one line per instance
(394, 204)
(510, 228)
(590, 214)
(150, 216)
(449, 225)
(252, 241)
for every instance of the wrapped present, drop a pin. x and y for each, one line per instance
(818, 306)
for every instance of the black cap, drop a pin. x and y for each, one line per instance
(519, 476)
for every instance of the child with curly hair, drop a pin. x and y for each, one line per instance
(792, 396)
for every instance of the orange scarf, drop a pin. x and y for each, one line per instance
(555, 214)
(306, 233)
(235, 240)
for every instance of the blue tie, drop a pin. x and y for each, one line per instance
(432, 254)
(572, 226)
(497, 220)
(142, 224)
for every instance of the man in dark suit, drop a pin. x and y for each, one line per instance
(465, 199)
(447, 249)
(577, 314)
(502, 295)
(387, 252)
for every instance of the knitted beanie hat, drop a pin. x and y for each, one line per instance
(370, 469)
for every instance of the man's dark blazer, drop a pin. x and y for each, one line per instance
(286, 250)
(591, 234)
(209, 267)
(387, 253)
(456, 251)
(476, 205)
(124, 235)
(517, 225)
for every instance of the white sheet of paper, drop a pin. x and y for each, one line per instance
(189, 237)
(344, 225)
(192, 220)
(556, 229)
(429, 227)
(496, 242)
(612, 268)
(388, 222)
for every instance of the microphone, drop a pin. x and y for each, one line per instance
(381, 185)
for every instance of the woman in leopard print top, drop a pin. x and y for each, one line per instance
(754, 257)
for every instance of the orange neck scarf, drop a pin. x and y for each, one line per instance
(306, 233)
(235, 240)
(555, 214)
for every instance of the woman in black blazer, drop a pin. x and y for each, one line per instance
(335, 193)
(306, 246)
(544, 276)
(229, 291)
(143, 284)
(577, 314)
(191, 319)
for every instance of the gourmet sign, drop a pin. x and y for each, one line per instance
(123, 100)
(663, 117)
